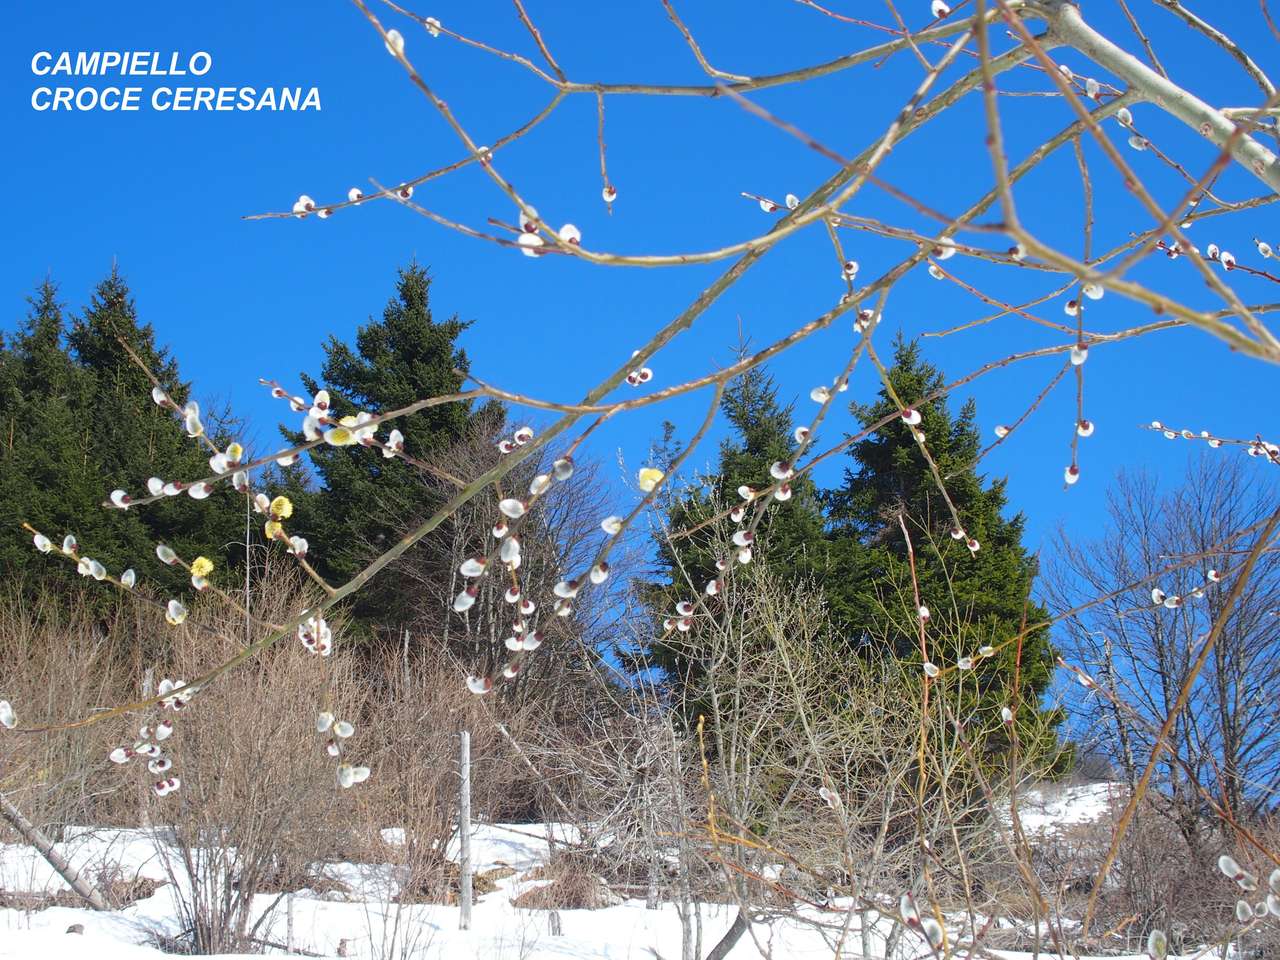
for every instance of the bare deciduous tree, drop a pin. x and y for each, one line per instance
(1141, 641)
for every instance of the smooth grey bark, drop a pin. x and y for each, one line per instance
(1068, 27)
(731, 937)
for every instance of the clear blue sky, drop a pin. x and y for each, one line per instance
(164, 195)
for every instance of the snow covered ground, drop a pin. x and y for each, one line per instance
(1048, 809)
(359, 924)
(363, 923)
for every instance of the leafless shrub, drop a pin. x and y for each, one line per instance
(559, 534)
(1143, 651)
(259, 802)
(58, 656)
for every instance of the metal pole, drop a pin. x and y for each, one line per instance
(144, 809)
(248, 521)
(464, 832)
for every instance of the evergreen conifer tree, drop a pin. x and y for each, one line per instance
(129, 438)
(45, 477)
(975, 599)
(361, 501)
(84, 425)
(791, 540)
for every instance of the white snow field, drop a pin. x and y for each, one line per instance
(364, 919)
(360, 923)
(1052, 808)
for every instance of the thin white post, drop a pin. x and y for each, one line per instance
(144, 789)
(464, 832)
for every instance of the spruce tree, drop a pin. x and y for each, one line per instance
(361, 502)
(129, 438)
(85, 425)
(790, 538)
(977, 598)
(47, 478)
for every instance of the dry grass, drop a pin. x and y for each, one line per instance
(570, 884)
(57, 661)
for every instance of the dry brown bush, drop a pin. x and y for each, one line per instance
(57, 660)
(259, 800)
(570, 883)
(1159, 880)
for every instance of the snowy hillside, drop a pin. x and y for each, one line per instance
(1051, 808)
(358, 923)
(355, 916)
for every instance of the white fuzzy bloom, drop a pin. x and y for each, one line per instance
(191, 419)
(512, 508)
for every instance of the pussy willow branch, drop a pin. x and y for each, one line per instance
(807, 213)
(1142, 38)
(431, 174)
(1266, 346)
(1258, 75)
(943, 31)
(844, 185)
(1068, 25)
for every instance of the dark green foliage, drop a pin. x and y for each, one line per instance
(850, 542)
(974, 599)
(362, 501)
(791, 538)
(46, 477)
(79, 422)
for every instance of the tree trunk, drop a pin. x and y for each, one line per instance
(731, 937)
(44, 846)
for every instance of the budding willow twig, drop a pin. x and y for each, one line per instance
(1069, 26)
